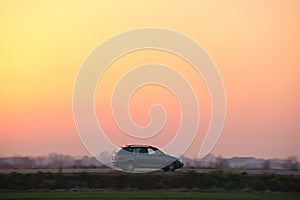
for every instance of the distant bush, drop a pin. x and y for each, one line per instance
(189, 180)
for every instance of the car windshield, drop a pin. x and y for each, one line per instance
(159, 152)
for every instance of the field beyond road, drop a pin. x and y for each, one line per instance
(146, 195)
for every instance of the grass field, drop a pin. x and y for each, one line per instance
(146, 195)
(224, 180)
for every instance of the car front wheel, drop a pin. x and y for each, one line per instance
(172, 167)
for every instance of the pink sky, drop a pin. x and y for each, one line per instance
(256, 46)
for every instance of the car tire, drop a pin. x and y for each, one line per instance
(172, 167)
(165, 169)
(129, 166)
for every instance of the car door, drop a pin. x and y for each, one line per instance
(135, 157)
(140, 155)
(144, 158)
(157, 158)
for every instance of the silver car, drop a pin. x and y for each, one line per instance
(131, 157)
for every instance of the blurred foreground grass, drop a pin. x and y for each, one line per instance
(146, 195)
(116, 181)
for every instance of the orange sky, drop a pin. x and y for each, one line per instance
(255, 44)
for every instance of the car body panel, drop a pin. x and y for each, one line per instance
(141, 156)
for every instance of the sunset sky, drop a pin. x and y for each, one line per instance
(255, 45)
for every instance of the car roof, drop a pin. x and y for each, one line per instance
(138, 145)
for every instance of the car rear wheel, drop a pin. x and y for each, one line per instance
(129, 166)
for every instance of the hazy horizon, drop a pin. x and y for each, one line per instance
(186, 156)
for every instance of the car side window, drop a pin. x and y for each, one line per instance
(139, 150)
(151, 151)
(154, 151)
(144, 150)
(136, 150)
(129, 149)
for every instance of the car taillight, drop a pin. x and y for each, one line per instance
(119, 156)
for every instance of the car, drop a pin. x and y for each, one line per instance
(131, 157)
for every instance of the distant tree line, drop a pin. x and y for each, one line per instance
(51, 161)
(211, 162)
